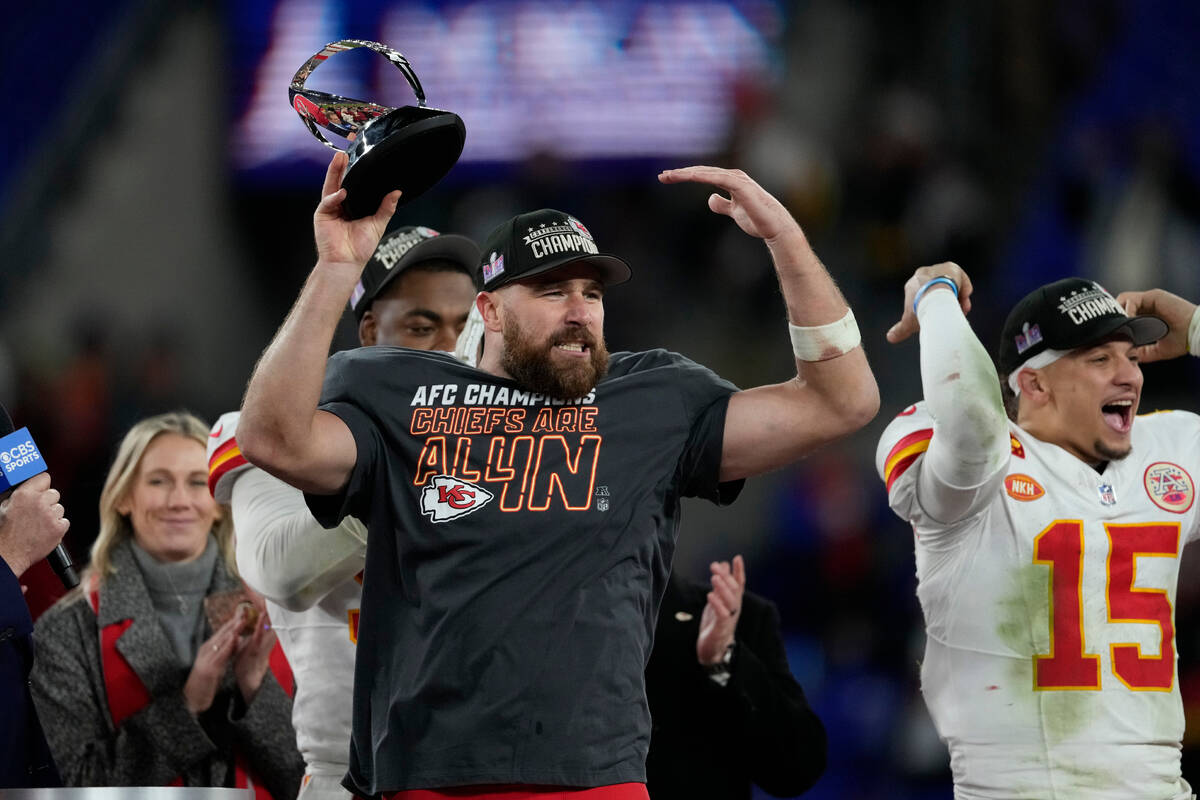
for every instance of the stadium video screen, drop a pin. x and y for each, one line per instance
(579, 80)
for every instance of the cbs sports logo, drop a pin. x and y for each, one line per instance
(19, 455)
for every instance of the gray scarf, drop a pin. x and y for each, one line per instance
(177, 592)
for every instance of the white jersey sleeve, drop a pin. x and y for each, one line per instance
(902, 462)
(967, 455)
(899, 457)
(282, 551)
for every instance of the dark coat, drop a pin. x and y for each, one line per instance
(162, 741)
(712, 741)
(24, 757)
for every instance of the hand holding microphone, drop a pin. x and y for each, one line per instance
(32, 524)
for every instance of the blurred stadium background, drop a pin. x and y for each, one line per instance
(157, 198)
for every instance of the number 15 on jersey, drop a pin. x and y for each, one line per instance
(1069, 664)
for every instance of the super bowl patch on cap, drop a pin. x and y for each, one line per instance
(1028, 337)
(494, 267)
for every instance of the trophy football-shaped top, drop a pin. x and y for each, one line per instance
(408, 148)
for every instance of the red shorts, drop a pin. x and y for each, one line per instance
(618, 791)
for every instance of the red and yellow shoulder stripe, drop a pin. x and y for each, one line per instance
(225, 458)
(1018, 449)
(907, 449)
(904, 454)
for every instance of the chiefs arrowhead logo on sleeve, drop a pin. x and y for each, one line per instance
(445, 498)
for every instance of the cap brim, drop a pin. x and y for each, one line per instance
(1141, 330)
(613, 270)
(447, 246)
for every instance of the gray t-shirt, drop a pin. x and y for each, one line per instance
(518, 550)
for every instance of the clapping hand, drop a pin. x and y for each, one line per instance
(718, 621)
(253, 654)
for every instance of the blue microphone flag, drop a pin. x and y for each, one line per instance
(20, 459)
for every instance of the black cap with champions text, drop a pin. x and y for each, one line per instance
(1068, 314)
(537, 242)
(399, 249)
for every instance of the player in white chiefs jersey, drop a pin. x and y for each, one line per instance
(1048, 543)
(415, 292)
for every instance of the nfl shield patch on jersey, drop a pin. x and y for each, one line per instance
(446, 497)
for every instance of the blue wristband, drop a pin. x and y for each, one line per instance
(953, 286)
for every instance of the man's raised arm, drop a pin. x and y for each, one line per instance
(281, 429)
(970, 444)
(834, 392)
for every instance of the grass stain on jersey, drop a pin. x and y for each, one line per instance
(1023, 624)
(1066, 713)
(1089, 777)
(1023, 615)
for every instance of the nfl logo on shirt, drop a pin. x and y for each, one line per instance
(1107, 496)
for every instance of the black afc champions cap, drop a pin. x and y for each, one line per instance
(1065, 315)
(542, 240)
(402, 247)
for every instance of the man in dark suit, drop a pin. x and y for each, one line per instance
(31, 525)
(725, 709)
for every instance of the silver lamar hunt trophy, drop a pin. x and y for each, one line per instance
(408, 148)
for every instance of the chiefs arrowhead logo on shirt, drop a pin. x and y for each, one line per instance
(1022, 487)
(446, 497)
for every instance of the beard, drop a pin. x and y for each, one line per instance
(529, 362)
(1107, 453)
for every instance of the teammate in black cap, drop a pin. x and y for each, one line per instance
(1048, 541)
(522, 515)
(413, 288)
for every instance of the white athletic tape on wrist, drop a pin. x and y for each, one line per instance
(823, 342)
(1042, 359)
(1194, 333)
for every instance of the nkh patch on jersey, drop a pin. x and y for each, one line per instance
(446, 497)
(1020, 486)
